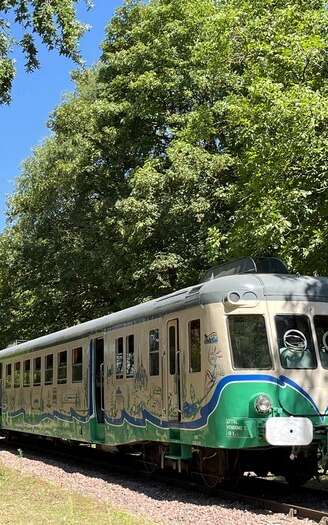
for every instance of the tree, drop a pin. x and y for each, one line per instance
(56, 24)
(200, 135)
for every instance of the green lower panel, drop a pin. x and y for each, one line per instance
(227, 419)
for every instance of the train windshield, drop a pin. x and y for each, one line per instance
(249, 342)
(321, 328)
(295, 342)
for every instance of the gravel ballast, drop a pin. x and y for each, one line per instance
(153, 500)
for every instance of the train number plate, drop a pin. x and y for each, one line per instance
(289, 431)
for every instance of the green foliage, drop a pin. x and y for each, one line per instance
(200, 135)
(55, 22)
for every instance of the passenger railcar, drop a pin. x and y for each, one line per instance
(228, 375)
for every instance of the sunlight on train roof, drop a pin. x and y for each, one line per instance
(247, 265)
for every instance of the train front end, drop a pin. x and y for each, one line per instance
(272, 410)
(299, 334)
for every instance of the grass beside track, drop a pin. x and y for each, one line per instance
(26, 500)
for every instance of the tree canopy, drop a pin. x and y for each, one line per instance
(54, 22)
(200, 135)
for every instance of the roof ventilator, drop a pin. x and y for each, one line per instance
(244, 265)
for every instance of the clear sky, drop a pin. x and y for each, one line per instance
(23, 124)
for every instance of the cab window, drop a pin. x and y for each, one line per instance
(321, 328)
(249, 342)
(295, 342)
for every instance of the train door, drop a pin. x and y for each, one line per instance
(99, 379)
(173, 371)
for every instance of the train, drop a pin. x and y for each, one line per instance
(221, 378)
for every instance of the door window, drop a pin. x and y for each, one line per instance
(194, 345)
(62, 368)
(130, 369)
(154, 352)
(49, 370)
(27, 373)
(8, 375)
(77, 365)
(119, 357)
(17, 375)
(37, 371)
(172, 348)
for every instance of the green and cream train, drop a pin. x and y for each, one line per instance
(227, 376)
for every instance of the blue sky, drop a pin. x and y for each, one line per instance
(23, 124)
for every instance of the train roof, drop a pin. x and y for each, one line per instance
(249, 286)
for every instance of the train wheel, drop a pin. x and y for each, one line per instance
(301, 469)
(151, 458)
(210, 469)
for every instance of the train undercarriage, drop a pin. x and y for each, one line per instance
(226, 467)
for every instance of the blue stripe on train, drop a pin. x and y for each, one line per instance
(147, 416)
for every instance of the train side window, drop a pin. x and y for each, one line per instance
(8, 375)
(37, 371)
(194, 345)
(119, 357)
(49, 370)
(129, 345)
(27, 373)
(17, 375)
(77, 365)
(154, 352)
(249, 342)
(62, 367)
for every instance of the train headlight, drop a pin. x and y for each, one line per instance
(263, 404)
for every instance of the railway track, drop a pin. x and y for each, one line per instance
(254, 492)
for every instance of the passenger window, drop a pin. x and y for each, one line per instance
(119, 347)
(154, 352)
(17, 375)
(77, 365)
(130, 370)
(27, 373)
(194, 345)
(172, 348)
(249, 342)
(295, 343)
(49, 370)
(321, 328)
(37, 371)
(8, 375)
(62, 368)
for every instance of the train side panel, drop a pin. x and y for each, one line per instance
(46, 392)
